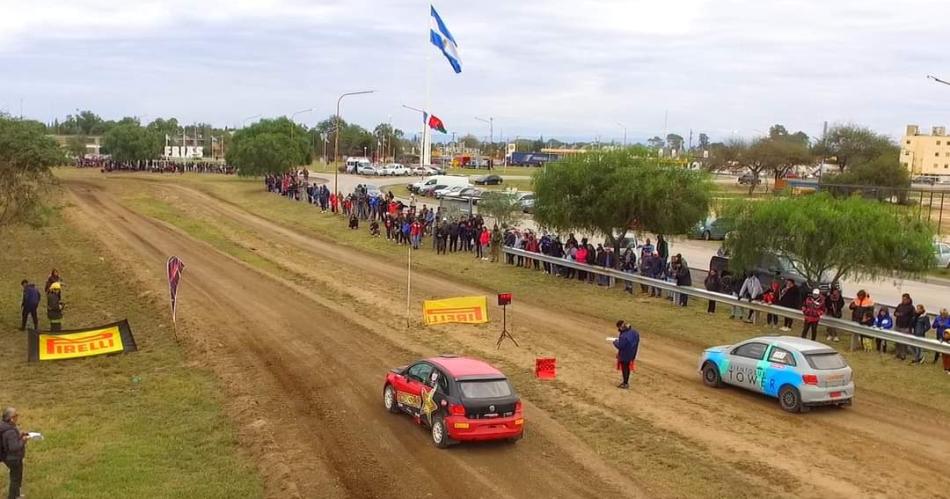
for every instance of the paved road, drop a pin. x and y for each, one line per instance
(698, 253)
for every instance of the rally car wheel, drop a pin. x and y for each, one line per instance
(790, 399)
(389, 399)
(711, 375)
(440, 436)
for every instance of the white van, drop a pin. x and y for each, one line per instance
(446, 180)
(353, 163)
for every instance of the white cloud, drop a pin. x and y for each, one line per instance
(557, 67)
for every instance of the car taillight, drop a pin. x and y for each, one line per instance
(518, 406)
(457, 410)
(810, 379)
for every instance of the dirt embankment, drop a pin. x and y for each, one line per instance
(303, 354)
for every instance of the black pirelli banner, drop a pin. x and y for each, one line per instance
(101, 340)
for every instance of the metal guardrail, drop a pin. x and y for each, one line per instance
(838, 324)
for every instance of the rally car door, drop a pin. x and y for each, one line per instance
(746, 368)
(409, 395)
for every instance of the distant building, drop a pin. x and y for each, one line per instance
(93, 143)
(925, 154)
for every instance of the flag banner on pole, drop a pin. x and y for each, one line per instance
(443, 39)
(101, 340)
(465, 309)
(433, 122)
(174, 267)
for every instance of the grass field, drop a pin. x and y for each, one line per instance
(923, 385)
(145, 424)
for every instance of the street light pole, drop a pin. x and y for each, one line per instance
(336, 139)
(491, 137)
(624, 134)
(424, 125)
(293, 125)
(244, 123)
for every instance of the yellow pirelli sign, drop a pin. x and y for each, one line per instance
(465, 310)
(102, 340)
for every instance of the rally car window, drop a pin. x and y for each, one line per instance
(420, 372)
(751, 351)
(442, 382)
(826, 360)
(781, 356)
(485, 389)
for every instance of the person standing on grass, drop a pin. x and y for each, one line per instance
(13, 449)
(752, 290)
(834, 305)
(714, 285)
(769, 298)
(495, 240)
(54, 306)
(862, 304)
(921, 326)
(53, 277)
(814, 309)
(904, 323)
(627, 345)
(789, 297)
(941, 324)
(683, 278)
(662, 248)
(484, 240)
(31, 300)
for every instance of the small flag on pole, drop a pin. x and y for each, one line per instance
(434, 122)
(174, 268)
(442, 38)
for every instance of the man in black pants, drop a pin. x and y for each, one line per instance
(31, 300)
(13, 447)
(627, 346)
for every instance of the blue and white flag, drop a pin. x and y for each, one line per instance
(441, 38)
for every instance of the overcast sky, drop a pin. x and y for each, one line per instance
(562, 68)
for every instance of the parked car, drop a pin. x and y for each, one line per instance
(923, 179)
(527, 205)
(429, 190)
(458, 398)
(711, 229)
(488, 180)
(424, 171)
(942, 255)
(394, 169)
(443, 180)
(364, 169)
(441, 193)
(353, 163)
(800, 373)
(467, 194)
(772, 267)
(750, 178)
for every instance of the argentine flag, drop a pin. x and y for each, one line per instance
(441, 38)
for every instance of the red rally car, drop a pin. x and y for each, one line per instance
(458, 398)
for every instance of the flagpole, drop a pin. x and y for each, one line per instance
(409, 289)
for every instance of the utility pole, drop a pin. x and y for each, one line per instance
(336, 139)
(491, 137)
(624, 134)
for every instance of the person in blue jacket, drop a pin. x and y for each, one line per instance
(31, 300)
(883, 321)
(627, 345)
(941, 324)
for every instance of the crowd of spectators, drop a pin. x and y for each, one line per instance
(154, 166)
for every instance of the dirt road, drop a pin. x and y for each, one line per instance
(302, 350)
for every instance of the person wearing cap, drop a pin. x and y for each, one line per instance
(813, 309)
(54, 306)
(627, 345)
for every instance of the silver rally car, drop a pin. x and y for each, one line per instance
(801, 373)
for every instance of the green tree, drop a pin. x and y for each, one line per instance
(469, 141)
(132, 142)
(781, 154)
(675, 141)
(613, 192)
(656, 143)
(26, 155)
(884, 178)
(852, 144)
(267, 147)
(823, 237)
(703, 141)
(76, 145)
(503, 207)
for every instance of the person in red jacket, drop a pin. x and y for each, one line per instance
(769, 298)
(813, 309)
(484, 239)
